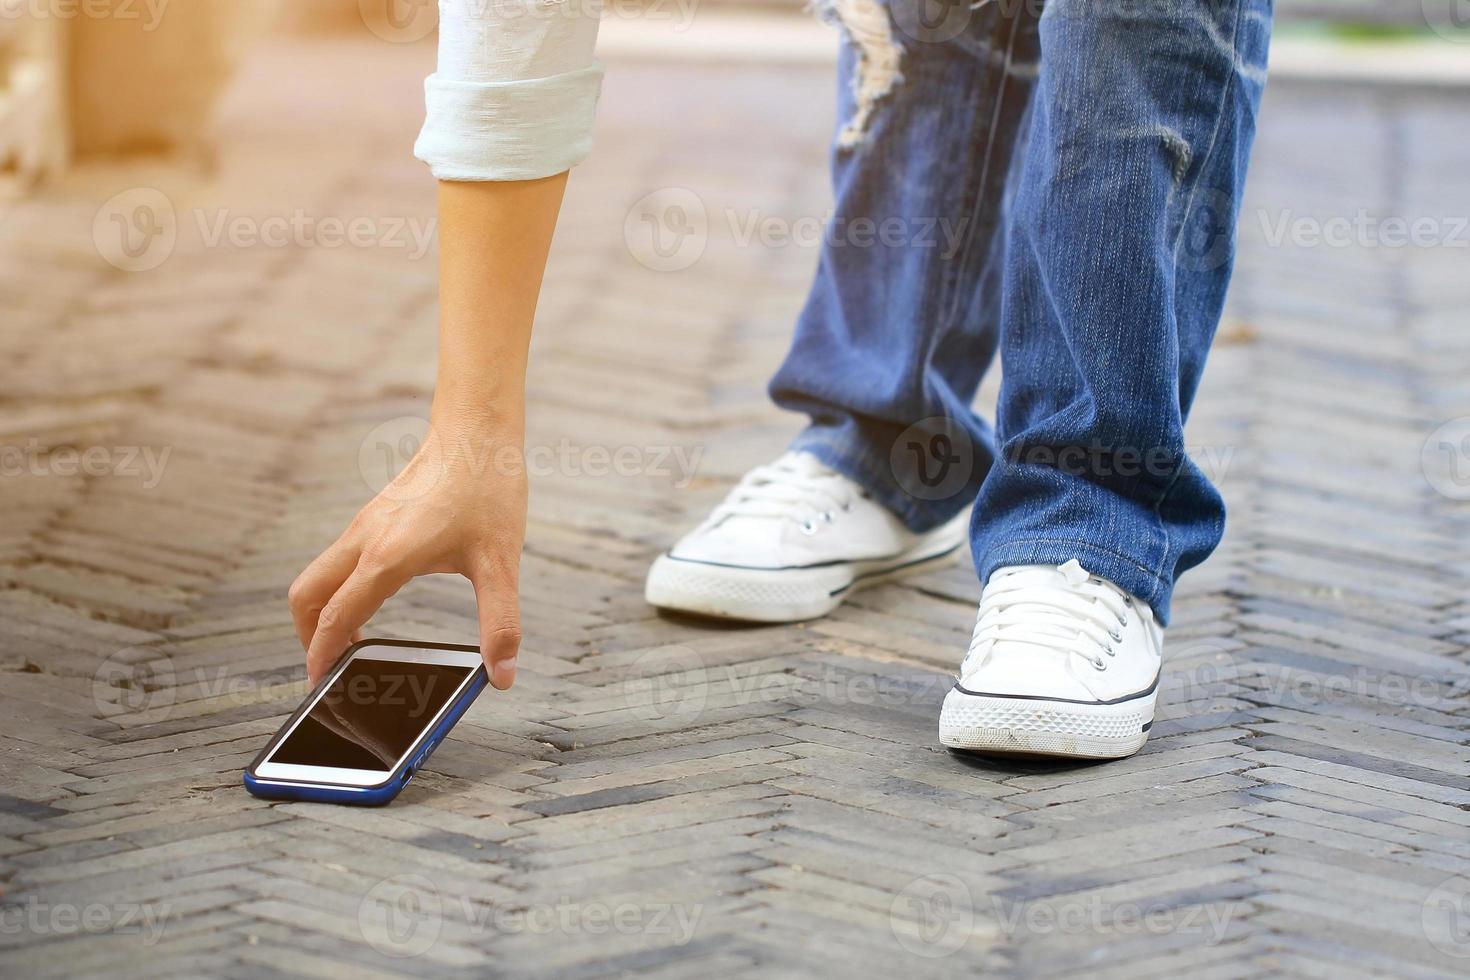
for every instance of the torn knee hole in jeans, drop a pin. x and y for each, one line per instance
(1181, 154)
(868, 28)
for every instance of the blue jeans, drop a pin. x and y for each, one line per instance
(1062, 185)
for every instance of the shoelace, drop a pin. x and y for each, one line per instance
(795, 487)
(1054, 608)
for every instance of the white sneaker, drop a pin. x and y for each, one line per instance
(790, 542)
(1061, 663)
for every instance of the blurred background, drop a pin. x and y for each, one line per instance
(217, 340)
(203, 199)
(85, 79)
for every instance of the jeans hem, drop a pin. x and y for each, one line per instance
(1139, 580)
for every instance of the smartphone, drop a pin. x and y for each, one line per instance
(370, 724)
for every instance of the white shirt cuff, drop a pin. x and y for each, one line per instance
(514, 130)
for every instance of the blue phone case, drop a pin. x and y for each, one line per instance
(384, 792)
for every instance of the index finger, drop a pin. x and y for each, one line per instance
(316, 585)
(354, 603)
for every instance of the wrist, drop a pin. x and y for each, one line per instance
(477, 443)
(478, 416)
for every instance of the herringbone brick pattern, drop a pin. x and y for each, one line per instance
(666, 798)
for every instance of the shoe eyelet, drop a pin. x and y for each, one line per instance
(1100, 664)
(808, 527)
(1116, 636)
(827, 516)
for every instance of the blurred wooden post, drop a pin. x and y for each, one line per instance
(145, 82)
(323, 16)
(33, 130)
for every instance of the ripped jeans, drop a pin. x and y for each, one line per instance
(1061, 185)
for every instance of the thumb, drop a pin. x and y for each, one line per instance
(500, 628)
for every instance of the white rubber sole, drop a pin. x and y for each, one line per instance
(1036, 726)
(788, 595)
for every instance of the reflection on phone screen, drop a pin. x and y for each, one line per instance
(370, 715)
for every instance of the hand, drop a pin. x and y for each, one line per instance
(458, 506)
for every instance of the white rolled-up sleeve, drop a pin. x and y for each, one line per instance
(515, 91)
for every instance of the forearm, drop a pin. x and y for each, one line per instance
(494, 237)
(508, 111)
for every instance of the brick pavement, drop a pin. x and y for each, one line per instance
(666, 798)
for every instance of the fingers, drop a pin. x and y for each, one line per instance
(500, 625)
(316, 585)
(365, 590)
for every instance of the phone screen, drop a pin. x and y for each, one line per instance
(370, 715)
